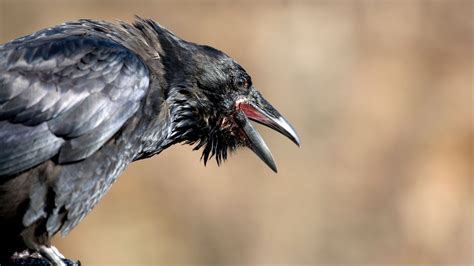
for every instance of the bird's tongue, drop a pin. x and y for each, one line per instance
(252, 113)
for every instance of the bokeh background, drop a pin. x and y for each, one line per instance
(381, 93)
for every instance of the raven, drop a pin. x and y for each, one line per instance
(82, 100)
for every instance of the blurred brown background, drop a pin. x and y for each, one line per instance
(381, 94)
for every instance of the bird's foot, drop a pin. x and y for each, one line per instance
(52, 254)
(56, 251)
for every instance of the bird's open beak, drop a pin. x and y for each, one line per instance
(256, 108)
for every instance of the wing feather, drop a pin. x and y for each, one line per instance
(24, 147)
(64, 94)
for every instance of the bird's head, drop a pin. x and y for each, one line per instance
(212, 101)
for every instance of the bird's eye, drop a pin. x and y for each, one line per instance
(241, 83)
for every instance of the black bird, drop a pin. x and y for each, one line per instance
(82, 100)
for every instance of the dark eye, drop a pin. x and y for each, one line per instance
(241, 83)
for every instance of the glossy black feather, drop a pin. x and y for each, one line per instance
(81, 88)
(64, 93)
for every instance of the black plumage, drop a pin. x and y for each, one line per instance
(82, 100)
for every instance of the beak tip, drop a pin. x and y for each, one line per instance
(287, 129)
(270, 162)
(297, 141)
(273, 167)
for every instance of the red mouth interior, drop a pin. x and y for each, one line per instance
(251, 112)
